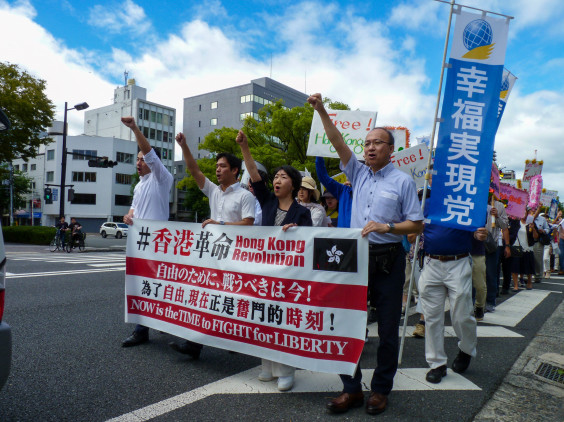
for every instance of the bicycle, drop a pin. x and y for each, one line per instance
(76, 242)
(56, 244)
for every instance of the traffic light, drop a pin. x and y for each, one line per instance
(101, 162)
(70, 195)
(48, 195)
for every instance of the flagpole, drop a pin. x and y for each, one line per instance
(427, 177)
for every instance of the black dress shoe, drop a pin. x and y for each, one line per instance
(376, 403)
(187, 348)
(135, 339)
(461, 362)
(436, 375)
(345, 402)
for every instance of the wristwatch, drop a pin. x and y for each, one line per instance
(392, 226)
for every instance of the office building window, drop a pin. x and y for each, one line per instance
(146, 132)
(123, 200)
(159, 135)
(124, 157)
(165, 137)
(213, 122)
(84, 154)
(140, 113)
(152, 133)
(146, 114)
(80, 176)
(200, 107)
(50, 154)
(17, 167)
(84, 198)
(33, 167)
(166, 120)
(153, 116)
(24, 167)
(50, 176)
(123, 179)
(213, 105)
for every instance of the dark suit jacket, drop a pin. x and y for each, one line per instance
(269, 204)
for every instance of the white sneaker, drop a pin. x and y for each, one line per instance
(285, 383)
(265, 376)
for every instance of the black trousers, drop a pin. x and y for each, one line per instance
(385, 296)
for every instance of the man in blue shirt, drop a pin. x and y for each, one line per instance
(448, 272)
(386, 207)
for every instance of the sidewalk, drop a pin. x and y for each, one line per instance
(526, 393)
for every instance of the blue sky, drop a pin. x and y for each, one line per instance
(373, 55)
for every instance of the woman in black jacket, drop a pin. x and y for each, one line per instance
(279, 208)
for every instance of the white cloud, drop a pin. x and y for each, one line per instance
(119, 18)
(346, 57)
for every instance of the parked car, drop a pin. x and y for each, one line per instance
(114, 229)
(5, 330)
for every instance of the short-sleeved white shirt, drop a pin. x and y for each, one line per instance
(235, 204)
(151, 194)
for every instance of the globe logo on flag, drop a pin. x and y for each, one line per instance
(477, 38)
(504, 87)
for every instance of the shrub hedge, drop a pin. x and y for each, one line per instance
(36, 235)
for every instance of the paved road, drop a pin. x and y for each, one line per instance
(67, 313)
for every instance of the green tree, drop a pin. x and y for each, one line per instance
(22, 186)
(278, 137)
(23, 99)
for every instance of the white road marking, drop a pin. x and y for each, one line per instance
(513, 310)
(483, 331)
(406, 379)
(555, 284)
(57, 273)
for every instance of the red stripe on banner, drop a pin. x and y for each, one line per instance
(303, 292)
(314, 346)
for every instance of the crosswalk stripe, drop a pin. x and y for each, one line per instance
(406, 379)
(57, 273)
(483, 331)
(513, 310)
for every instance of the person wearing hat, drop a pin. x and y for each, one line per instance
(309, 193)
(331, 204)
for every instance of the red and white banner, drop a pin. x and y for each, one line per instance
(296, 297)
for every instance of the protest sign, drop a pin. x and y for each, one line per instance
(553, 209)
(516, 200)
(413, 161)
(535, 190)
(547, 196)
(296, 297)
(353, 125)
(468, 125)
(532, 168)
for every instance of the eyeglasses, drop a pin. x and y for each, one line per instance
(375, 142)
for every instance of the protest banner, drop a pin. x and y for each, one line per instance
(413, 161)
(547, 196)
(553, 209)
(296, 297)
(507, 82)
(353, 125)
(535, 190)
(516, 200)
(465, 142)
(532, 168)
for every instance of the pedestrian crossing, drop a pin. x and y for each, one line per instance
(98, 262)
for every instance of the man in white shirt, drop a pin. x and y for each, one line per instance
(150, 200)
(230, 204)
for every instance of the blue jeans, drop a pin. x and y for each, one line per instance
(492, 279)
(385, 295)
(61, 236)
(561, 254)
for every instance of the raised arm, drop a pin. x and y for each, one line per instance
(144, 145)
(191, 163)
(249, 162)
(332, 132)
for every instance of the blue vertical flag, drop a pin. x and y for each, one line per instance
(507, 81)
(463, 157)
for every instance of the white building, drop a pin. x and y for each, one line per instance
(155, 120)
(100, 194)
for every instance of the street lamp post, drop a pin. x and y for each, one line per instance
(81, 106)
